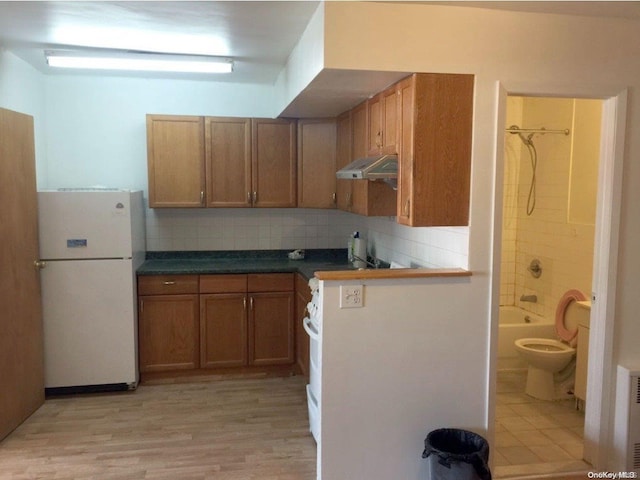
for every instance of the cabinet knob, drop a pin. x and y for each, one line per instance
(333, 197)
(249, 198)
(169, 283)
(406, 207)
(201, 196)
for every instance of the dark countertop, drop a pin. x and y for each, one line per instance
(234, 261)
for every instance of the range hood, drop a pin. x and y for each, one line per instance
(384, 167)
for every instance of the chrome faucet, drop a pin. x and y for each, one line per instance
(529, 298)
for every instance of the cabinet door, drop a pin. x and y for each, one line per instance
(382, 123)
(405, 155)
(175, 161)
(303, 297)
(228, 154)
(374, 125)
(359, 146)
(438, 152)
(168, 332)
(271, 328)
(367, 197)
(343, 158)
(274, 162)
(317, 163)
(223, 330)
(389, 121)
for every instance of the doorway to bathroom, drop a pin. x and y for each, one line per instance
(550, 191)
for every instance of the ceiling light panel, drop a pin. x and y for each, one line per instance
(133, 61)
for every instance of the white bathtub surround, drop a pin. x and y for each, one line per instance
(513, 326)
(557, 233)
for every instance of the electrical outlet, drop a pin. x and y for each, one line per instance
(351, 296)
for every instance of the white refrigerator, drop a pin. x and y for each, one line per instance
(91, 242)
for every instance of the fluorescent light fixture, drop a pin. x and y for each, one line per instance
(134, 61)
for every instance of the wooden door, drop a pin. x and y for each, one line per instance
(274, 162)
(176, 161)
(228, 153)
(343, 158)
(317, 163)
(21, 337)
(223, 330)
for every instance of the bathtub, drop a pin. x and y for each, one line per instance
(512, 326)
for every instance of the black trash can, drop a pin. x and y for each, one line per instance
(456, 454)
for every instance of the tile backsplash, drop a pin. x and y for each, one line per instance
(271, 229)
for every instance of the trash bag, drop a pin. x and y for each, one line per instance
(457, 455)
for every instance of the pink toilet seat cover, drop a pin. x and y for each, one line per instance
(565, 334)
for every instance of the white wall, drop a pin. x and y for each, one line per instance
(96, 125)
(390, 374)
(22, 90)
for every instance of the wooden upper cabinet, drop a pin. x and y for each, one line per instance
(343, 158)
(436, 115)
(317, 163)
(274, 162)
(228, 161)
(371, 198)
(382, 134)
(176, 167)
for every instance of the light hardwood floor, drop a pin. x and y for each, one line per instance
(239, 429)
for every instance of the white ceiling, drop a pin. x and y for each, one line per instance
(259, 35)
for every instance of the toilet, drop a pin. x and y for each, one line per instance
(551, 361)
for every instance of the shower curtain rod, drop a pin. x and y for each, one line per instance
(515, 129)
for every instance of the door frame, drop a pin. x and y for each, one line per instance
(600, 378)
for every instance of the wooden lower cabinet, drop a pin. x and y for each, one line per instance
(230, 321)
(169, 332)
(223, 330)
(271, 328)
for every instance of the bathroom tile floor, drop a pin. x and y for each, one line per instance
(534, 436)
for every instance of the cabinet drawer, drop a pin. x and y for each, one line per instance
(270, 282)
(167, 284)
(223, 283)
